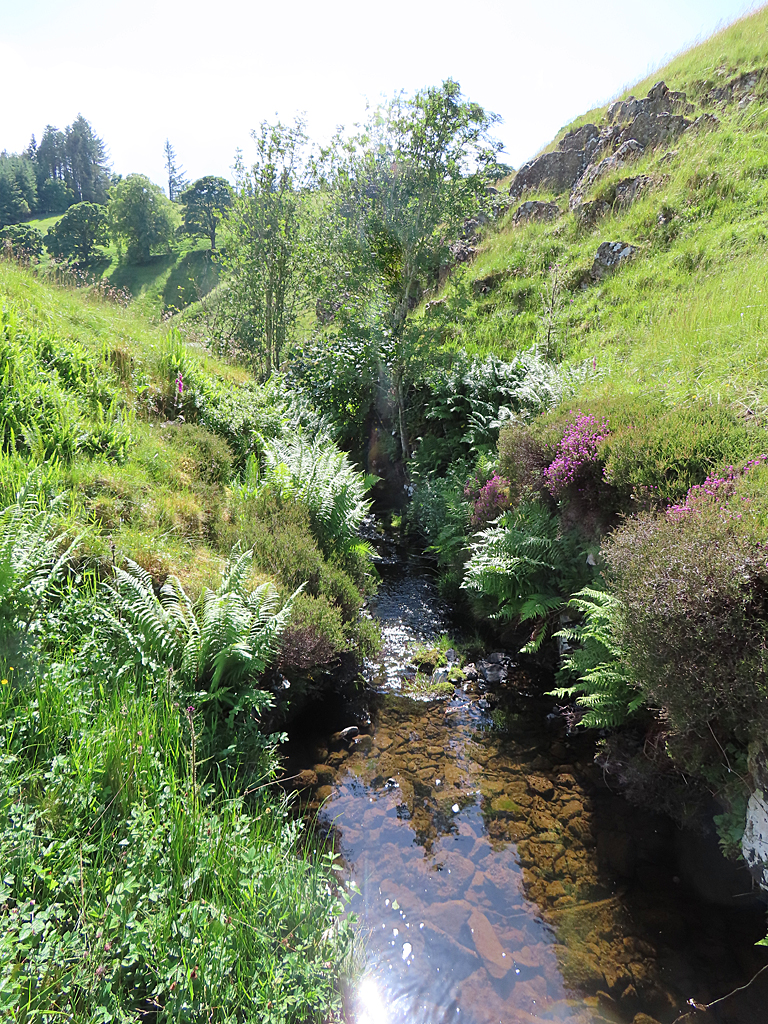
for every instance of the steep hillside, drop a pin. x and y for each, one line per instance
(631, 516)
(679, 307)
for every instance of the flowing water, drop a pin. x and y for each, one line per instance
(500, 882)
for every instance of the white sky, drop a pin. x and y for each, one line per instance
(205, 74)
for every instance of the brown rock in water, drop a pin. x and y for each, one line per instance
(337, 759)
(325, 774)
(451, 916)
(541, 787)
(306, 779)
(488, 946)
(323, 793)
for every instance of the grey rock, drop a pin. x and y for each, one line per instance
(451, 656)
(440, 675)
(609, 256)
(557, 170)
(654, 129)
(705, 123)
(579, 139)
(471, 673)
(627, 152)
(536, 210)
(660, 100)
(497, 658)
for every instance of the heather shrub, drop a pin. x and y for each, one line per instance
(314, 635)
(694, 625)
(659, 453)
(491, 501)
(577, 459)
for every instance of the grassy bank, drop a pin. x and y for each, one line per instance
(171, 591)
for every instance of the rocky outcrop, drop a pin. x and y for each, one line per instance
(743, 90)
(631, 127)
(660, 100)
(535, 210)
(557, 170)
(619, 196)
(626, 153)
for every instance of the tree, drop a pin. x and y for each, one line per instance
(204, 204)
(176, 180)
(409, 182)
(86, 171)
(54, 196)
(22, 241)
(265, 252)
(78, 234)
(140, 217)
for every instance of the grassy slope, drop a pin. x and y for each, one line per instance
(688, 317)
(168, 281)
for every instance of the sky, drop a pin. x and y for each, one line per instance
(204, 74)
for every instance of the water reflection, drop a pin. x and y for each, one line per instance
(498, 884)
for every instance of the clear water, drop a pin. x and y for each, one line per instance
(497, 883)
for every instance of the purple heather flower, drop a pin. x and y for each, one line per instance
(180, 384)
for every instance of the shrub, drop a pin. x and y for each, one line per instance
(577, 454)
(315, 635)
(207, 457)
(658, 453)
(694, 628)
(492, 500)
(22, 241)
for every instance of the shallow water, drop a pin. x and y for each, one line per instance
(499, 881)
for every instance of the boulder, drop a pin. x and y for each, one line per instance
(609, 256)
(557, 170)
(487, 944)
(536, 210)
(342, 738)
(654, 129)
(627, 152)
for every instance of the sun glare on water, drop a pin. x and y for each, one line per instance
(371, 1006)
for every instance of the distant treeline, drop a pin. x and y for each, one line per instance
(64, 168)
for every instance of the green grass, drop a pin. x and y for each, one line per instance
(686, 319)
(166, 283)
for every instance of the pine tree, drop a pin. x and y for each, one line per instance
(177, 182)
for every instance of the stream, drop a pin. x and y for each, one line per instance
(500, 880)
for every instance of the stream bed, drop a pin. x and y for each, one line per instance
(500, 880)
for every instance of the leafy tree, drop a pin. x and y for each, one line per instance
(13, 205)
(140, 217)
(409, 182)
(176, 180)
(21, 170)
(266, 255)
(79, 232)
(204, 203)
(25, 242)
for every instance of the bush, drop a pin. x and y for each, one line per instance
(207, 457)
(315, 635)
(694, 629)
(79, 234)
(22, 241)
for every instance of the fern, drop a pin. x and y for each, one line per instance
(219, 647)
(604, 685)
(322, 477)
(525, 568)
(34, 558)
